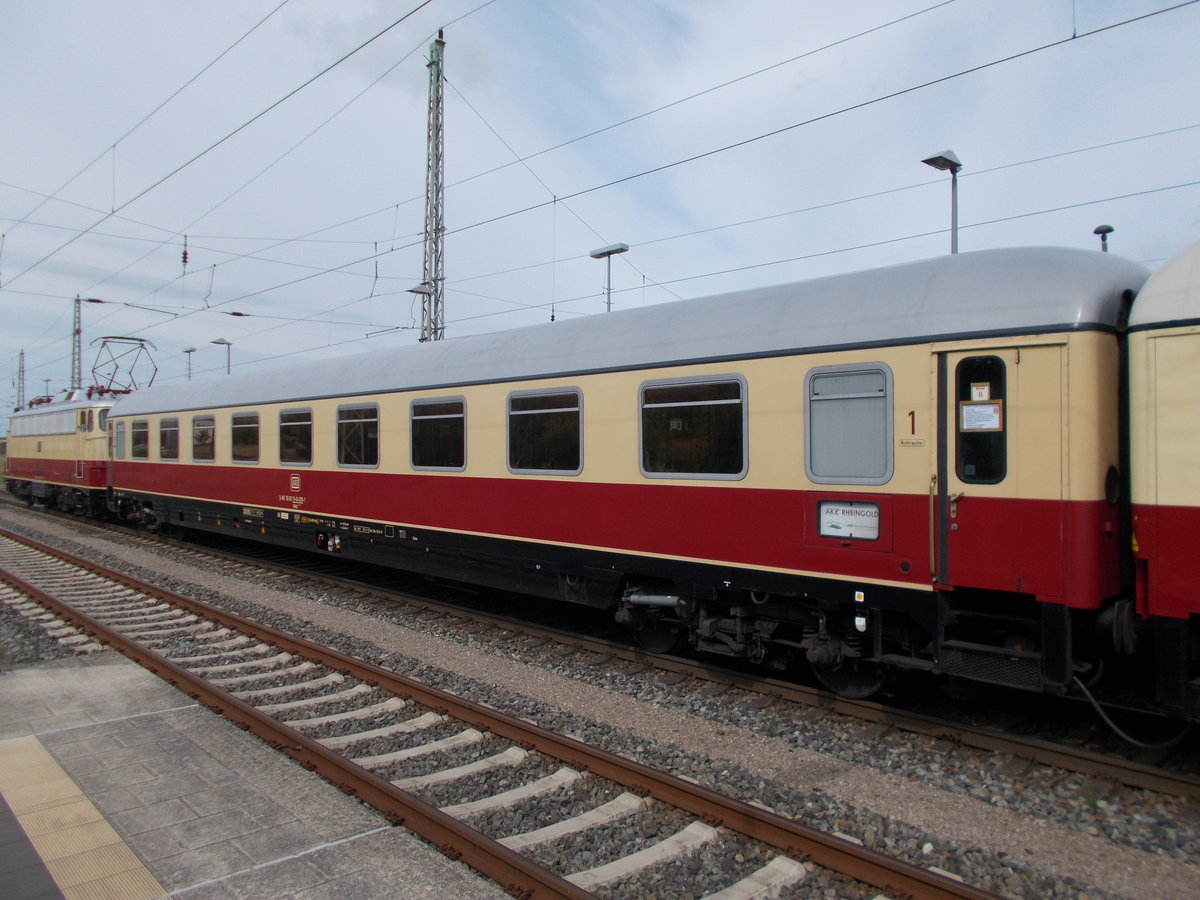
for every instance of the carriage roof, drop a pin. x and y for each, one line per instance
(1172, 294)
(990, 292)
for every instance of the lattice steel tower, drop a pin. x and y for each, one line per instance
(433, 324)
(77, 347)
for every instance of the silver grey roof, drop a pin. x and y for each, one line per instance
(70, 402)
(991, 291)
(1172, 294)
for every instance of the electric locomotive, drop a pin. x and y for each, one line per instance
(58, 453)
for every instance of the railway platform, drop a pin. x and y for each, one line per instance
(114, 784)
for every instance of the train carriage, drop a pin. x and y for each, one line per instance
(58, 455)
(1164, 343)
(911, 467)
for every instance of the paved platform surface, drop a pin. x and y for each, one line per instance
(114, 784)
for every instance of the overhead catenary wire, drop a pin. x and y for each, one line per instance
(560, 303)
(766, 135)
(261, 172)
(518, 305)
(773, 133)
(146, 118)
(709, 90)
(343, 267)
(555, 202)
(227, 136)
(280, 241)
(854, 247)
(172, 233)
(891, 95)
(694, 95)
(705, 154)
(790, 259)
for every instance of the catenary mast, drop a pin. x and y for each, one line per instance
(77, 347)
(433, 325)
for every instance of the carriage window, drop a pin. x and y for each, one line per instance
(203, 431)
(168, 439)
(295, 436)
(91, 422)
(981, 442)
(439, 432)
(103, 419)
(139, 440)
(358, 435)
(695, 429)
(848, 425)
(244, 437)
(545, 433)
(119, 441)
(82, 426)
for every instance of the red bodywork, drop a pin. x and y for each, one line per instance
(91, 475)
(1062, 552)
(1167, 559)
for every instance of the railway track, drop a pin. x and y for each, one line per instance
(1030, 748)
(446, 768)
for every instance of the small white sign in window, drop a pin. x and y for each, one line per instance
(981, 416)
(850, 520)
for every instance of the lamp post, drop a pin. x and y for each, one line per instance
(606, 254)
(1104, 231)
(228, 345)
(948, 162)
(189, 351)
(425, 291)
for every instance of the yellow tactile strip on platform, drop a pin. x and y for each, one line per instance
(80, 850)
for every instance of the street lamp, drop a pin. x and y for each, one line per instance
(425, 291)
(227, 346)
(947, 161)
(1104, 231)
(607, 253)
(189, 351)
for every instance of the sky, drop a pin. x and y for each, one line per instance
(730, 145)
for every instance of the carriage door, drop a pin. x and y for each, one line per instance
(81, 438)
(1000, 469)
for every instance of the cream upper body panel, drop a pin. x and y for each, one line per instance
(770, 339)
(1164, 350)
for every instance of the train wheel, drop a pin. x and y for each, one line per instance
(854, 679)
(655, 634)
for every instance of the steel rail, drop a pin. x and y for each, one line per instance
(979, 737)
(1073, 759)
(519, 876)
(896, 877)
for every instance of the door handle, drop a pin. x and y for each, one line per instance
(954, 498)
